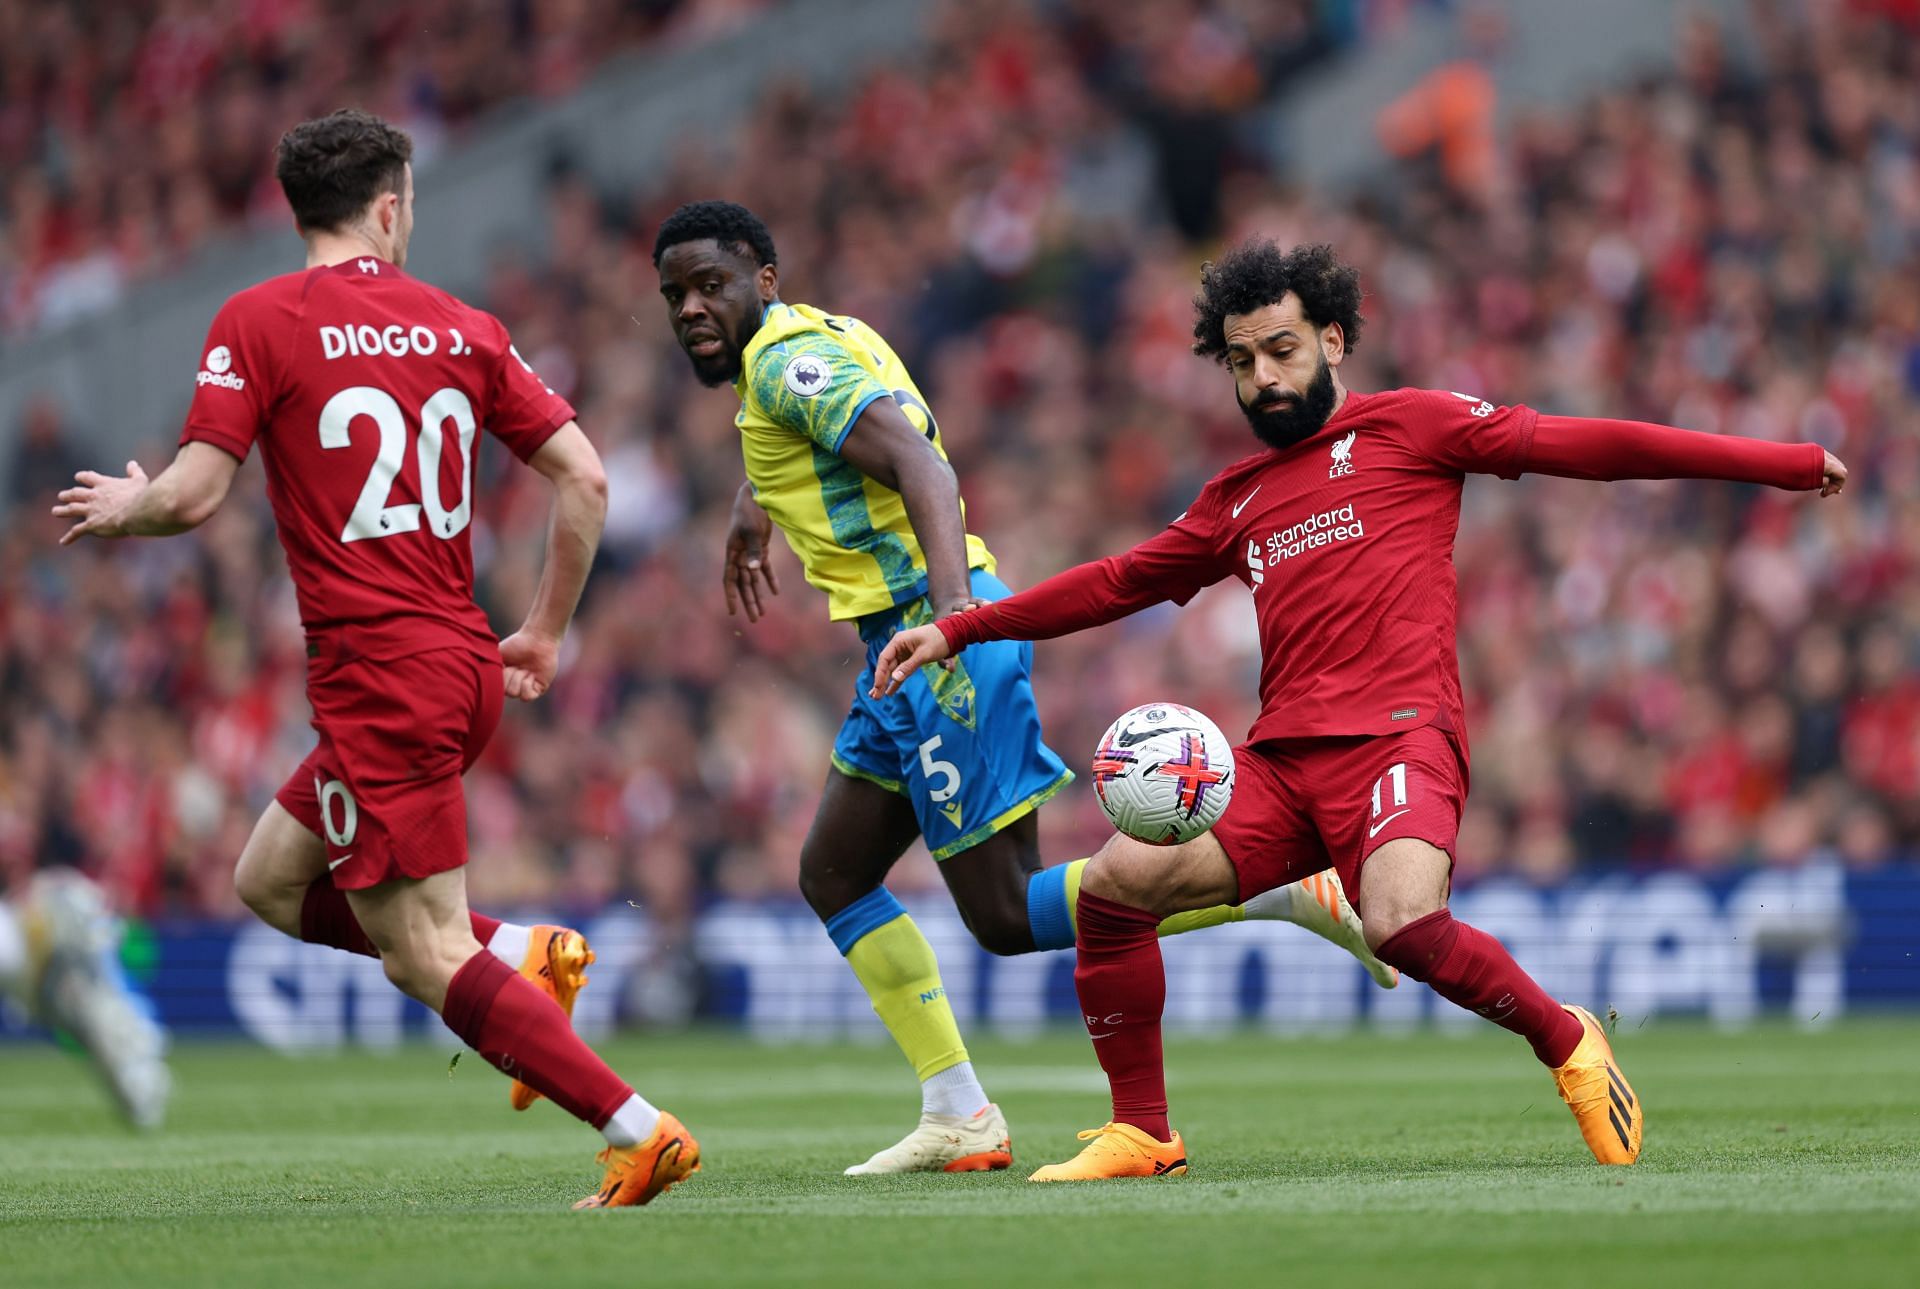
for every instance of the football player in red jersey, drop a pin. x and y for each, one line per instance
(366, 390)
(1342, 529)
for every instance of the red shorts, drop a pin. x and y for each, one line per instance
(383, 787)
(1302, 805)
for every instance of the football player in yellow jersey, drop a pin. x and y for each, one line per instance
(843, 453)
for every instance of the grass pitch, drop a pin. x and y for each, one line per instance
(1773, 1157)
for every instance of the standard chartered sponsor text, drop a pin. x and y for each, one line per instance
(1324, 529)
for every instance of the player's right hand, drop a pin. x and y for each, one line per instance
(100, 502)
(1833, 476)
(748, 560)
(905, 654)
(531, 660)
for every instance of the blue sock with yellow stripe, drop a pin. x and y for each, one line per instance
(1050, 905)
(1054, 893)
(896, 966)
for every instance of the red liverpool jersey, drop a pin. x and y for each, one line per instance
(364, 389)
(1346, 542)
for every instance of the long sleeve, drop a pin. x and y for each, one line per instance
(1172, 565)
(1579, 447)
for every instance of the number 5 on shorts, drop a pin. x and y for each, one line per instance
(949, 772)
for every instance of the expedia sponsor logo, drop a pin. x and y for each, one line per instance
(217, 369)
(1313, 532)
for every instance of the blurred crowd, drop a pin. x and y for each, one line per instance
(1657, 673)
(134, 132)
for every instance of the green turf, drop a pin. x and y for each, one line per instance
(1773, 1157)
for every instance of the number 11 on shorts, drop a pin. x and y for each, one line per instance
(1396, 775)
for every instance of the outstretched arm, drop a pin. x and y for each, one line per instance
(570, 464)
(1171, 566)
(184, 496)
(1579, 447)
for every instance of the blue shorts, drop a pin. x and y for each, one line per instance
(964, 745)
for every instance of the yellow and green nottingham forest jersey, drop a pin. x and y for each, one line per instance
(805, 378)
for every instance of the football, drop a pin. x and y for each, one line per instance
(1163, 773)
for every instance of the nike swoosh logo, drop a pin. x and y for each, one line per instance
(1375, 830)
(1109, 1034)
(333, 864)
(1243, 505)
(1132, 737)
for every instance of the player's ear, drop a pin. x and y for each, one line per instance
(1333, 343)
(769, 283)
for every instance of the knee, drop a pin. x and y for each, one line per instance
(825, 891)
(273, 901)
(1136, 875)
(1394, 915)
(1002, 930)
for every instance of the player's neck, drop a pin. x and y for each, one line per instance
(324, 250)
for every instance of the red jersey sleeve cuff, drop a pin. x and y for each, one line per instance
(1818, 462)
(958, 631)
(525, 445)
(232, 444)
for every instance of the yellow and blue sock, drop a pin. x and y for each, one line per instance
(1054, 893)
(896, 966)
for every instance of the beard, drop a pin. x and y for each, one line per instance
(722, 368)
(719, 369)
(1286, 419)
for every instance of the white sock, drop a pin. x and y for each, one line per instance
(633, 1122)
(509, 944)
(1275, 905)
(13, 954)
(955, 1090)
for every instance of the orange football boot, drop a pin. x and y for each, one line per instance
(1594, 1089)
(1118, 1150)
(556, 962)
(635, 1174)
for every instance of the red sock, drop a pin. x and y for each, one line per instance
(521, 1032)
(1123, 990)
(327, 918)
(483, 927)
(1470, 968)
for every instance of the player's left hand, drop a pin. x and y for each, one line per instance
(1833, 477)
(100, 503)
(531, 661)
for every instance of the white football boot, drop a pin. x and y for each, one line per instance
(81, 991)
(1320, 905)
(946, 1143)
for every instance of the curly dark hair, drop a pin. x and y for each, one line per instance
(728, 223)
(332, 167)
(1256, 273)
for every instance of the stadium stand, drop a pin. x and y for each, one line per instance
(133, 135)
